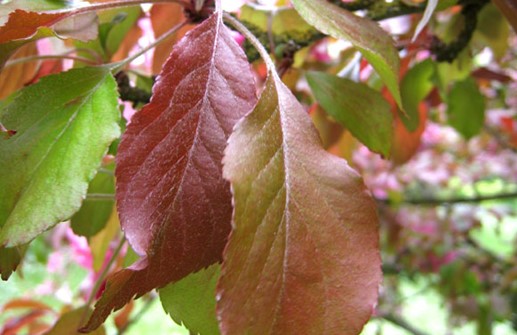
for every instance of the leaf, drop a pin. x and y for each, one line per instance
(509, 9)
(10, 258)
(493, 30)
(174, 205)
(24, 25)
(20, 26)
(82, 27)
(100, 243)
(69, 322)
(415, 86)
(282, 21)
(429, 10)
(466, 108)
(303, 257)
(163, 18)
(94, 214)
(191, 301)
(64, 125)
(17, 75)
(360, 109)
(373, 42)
(406, 142)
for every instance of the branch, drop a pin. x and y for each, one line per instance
(129, 93)
(396, 320)
(448, 52)
(451, 201)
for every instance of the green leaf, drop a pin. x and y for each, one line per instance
(415, 87)
(94, 214)
(64, 125)
(509, 10)
(493, 30)
(70, 321)
(373, 42)
(283, 20)
(191, 301)
(466, 108)
(303, 256)
(362, 110)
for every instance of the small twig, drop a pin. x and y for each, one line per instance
(396, 320)
(441, 201)
(101, 278)
(106, 171)
(109, 5)
(118, 66)
(41, 57)
(99, 197)
(252, 39)
(449, 52)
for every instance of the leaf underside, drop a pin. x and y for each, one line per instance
(174, 205)
(303, 257)
(366, 35)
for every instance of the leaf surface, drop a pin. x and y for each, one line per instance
(466, 108)
(69, 322)
(10, 258)
(64, 125)
(94, 214)
(362, 110)
(303, 257)
(415, 86)
(191, 301)
(373, 42)
(16, 76)
(174, 205)
(23, 25)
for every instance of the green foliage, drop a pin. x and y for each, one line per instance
(64, 125)
(191, 301)
(357, 107)
(466, 110)
(375, 44)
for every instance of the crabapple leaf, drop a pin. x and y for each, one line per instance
(366, 35)
(191, 301)
(303, 255)
(174, 204)
(466, 108)
(359, 108)
(62, 126)
(93, 215)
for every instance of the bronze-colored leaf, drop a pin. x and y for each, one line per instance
(303, 257)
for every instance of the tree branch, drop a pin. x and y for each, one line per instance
(396, 320)
(450, 201)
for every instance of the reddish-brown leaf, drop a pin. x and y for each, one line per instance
(174, 205)
(16, 76)
(303, 257)
(23, 25)
(163, 18)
